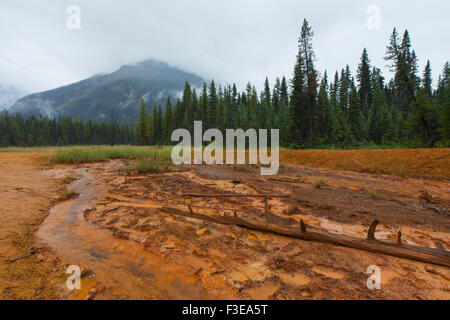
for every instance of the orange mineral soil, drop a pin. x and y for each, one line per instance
(26, 195)
(115, 228)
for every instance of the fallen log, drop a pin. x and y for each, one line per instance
(406, 251)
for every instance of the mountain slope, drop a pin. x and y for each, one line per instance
(8, 96)
(96, 98)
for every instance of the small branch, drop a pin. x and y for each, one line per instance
(190, 210)
(302, 226)
(371, 233)
(20, 257)
(399, 237)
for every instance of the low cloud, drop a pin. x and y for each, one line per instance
(230, 41)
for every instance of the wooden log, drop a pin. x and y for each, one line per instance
(406, 251)
(232, 195)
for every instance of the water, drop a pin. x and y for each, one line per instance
(125, 268)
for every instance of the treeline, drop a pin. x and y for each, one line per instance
(313, 111)
(15, 130)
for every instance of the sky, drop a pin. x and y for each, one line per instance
(229, 41)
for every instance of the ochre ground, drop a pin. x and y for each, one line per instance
(231, 262)
(26, 195)
(429, 163)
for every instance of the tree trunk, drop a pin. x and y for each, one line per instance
(428, 255)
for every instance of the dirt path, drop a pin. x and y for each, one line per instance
(26, 195)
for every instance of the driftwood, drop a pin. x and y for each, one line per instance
(423, 254)
(20, 257)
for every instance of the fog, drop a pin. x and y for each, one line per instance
(230, 41)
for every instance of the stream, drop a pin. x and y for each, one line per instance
(125, 268)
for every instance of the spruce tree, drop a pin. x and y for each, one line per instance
(212, 107)
(427, 81)
(364, 77)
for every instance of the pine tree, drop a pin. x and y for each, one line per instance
(233, 106)
(167, 123)
(354, 113)
(421, 120)
(427, 81)
(143, 130)
(204, 105)
(284, 95)
(323, 120)
(212, 106)
(305, 85)
(404, 65)
(364, 77)
(276, 95)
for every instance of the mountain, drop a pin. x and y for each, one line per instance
(102, 95)
(8, 96)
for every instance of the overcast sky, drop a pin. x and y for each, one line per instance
(231, 41)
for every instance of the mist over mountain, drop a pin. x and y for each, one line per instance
(9, 95)
(99, 96)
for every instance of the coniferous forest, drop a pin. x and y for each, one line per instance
(311, 110)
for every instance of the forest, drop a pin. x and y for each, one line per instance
(312, 110)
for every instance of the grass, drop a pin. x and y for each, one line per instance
(146, 165)
(319, 184)
(375, 194)
(418, 163)
(76, 155)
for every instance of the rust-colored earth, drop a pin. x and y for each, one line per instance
(26, 195)
(428, 163)
(131, 248)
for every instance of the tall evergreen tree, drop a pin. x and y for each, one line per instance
(427, 81)
(364, 77)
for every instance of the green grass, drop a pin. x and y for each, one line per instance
(319, 184)
(75, 155)
(33, 149)
(375, 194)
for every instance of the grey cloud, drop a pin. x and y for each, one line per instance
(230, 41)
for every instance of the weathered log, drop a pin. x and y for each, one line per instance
(406, 251)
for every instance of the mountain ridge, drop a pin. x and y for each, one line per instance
(98, 97)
